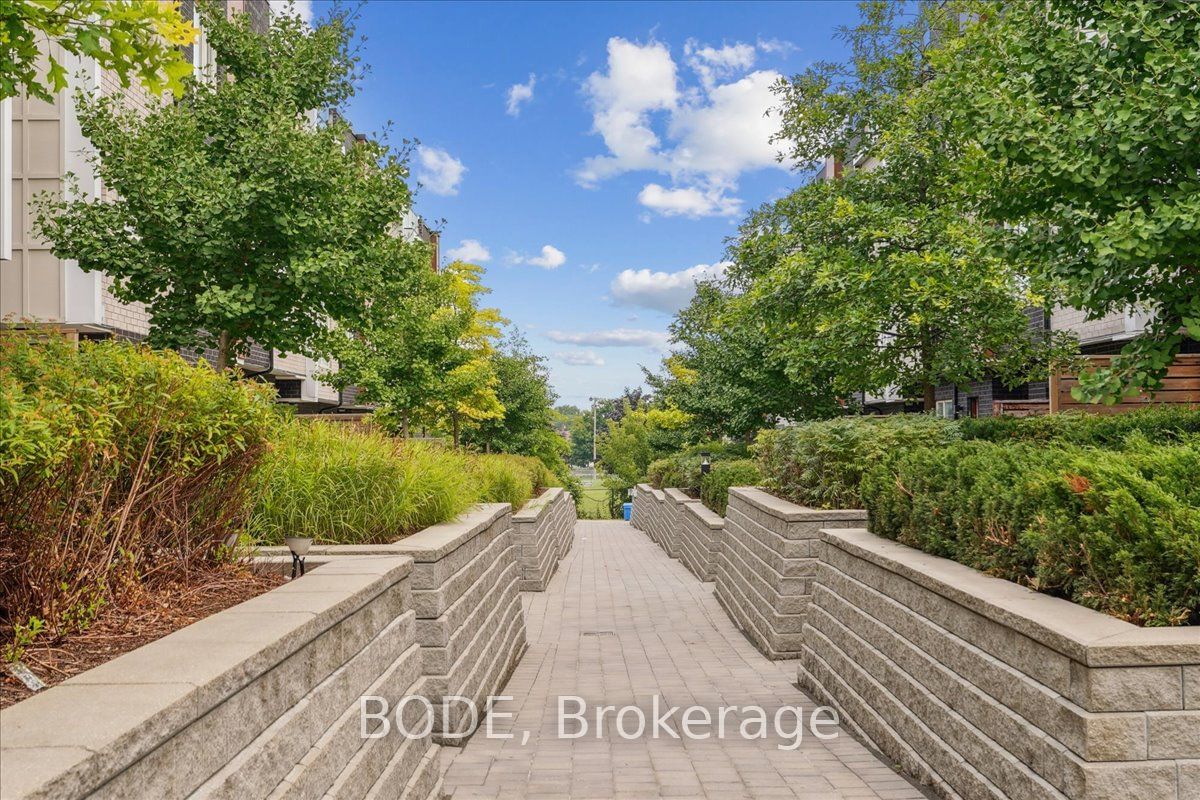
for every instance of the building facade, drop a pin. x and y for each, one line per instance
(41, 144)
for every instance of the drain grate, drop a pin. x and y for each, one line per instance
(599, 633)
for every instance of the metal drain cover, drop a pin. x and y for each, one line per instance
(599, 633)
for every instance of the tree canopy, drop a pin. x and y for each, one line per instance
(134, 39)
(1084, 123)
(523, 389)
(237, 217)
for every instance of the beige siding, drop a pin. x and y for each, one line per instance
(31, 284)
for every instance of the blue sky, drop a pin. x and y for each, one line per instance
(596, 152)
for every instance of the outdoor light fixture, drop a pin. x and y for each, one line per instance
(705, 466)
(299, 546)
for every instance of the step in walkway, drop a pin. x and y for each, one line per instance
(620, 623)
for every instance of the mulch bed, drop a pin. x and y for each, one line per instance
(151, 615)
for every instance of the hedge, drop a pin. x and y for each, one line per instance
(1160, 424)
(120, 468)
(1117, 531)
(820, 464)
(682, 470)
(714, 487)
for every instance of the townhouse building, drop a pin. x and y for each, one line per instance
(40, 144)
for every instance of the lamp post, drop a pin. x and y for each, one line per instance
(593, 399)
(298, 545)
(705, 465)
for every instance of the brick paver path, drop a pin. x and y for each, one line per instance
(620, 623)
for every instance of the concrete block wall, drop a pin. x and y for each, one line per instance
(672, 520)
(469, 622)
(766, 563)
(700, 532)
(640, 514)
(654, 518)
(566, 534)
(985, 689)
(542, 532)
(260, 700)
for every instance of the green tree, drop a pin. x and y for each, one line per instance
(1085, 121)
(580, 432)
(237, 218)
(641, 436)
(135, 39)
(882, 277)
(467, 393)
(726, 375)
(394, 348)
(523, 388)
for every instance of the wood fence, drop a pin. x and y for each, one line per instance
(1180, 387)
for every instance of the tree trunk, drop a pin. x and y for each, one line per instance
(224, 347)
(454, 419)
(930, 396)
(404, 425)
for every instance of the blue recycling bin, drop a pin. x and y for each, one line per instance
(627, 510)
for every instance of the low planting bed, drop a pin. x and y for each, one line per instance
(259, 700)
(986, 689)
(124, 483)
(469, 621)
(1022, 619)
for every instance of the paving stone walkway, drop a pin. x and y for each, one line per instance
(620, 623)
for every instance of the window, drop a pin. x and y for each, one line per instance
(945, 409)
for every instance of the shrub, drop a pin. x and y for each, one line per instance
(1160, 424)
(1117, 531)
(120, 468)
(820, 464)
(674, 472)
(714, 487)
(337, 484)
(682, 470)
(504, 478)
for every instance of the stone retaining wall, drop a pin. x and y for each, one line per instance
(542, 531)
(766, 564)
(655, 507)
(465, 593)
(640, 514)
(671, 527)
(260, 700)
(985, 689)
(700, 532)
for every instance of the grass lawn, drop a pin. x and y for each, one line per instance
(594, 503)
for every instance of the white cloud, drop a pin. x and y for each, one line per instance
(470, 250)
(585, 358)
(703, 137)
(732, 132)
(299, 8)
(551, 258)
(777, 47)
(438, 171)
(640, 79)
(616, 337)
(663, 291)
(713, 63)
(689, 201)
(518, 94)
